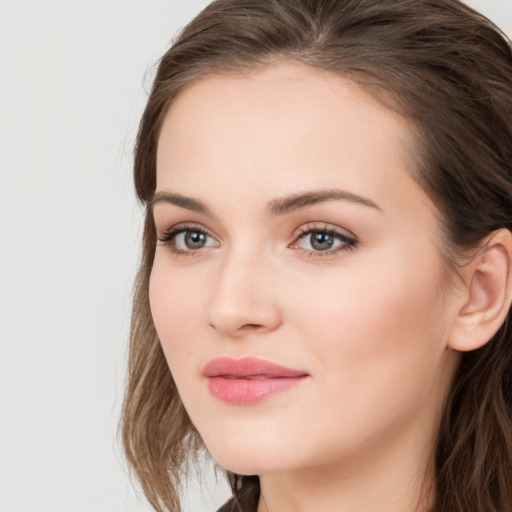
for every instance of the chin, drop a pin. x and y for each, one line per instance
(246, 456)
(247, 466)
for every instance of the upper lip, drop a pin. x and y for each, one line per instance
(248, 367)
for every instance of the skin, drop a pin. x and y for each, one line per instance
(368, 321)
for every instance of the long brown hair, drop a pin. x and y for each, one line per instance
(445, 68)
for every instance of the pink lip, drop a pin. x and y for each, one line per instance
(248, 380)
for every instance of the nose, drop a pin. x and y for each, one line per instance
(244, 297)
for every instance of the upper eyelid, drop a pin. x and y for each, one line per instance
(323, 226)
(184, 226)
(304, 227)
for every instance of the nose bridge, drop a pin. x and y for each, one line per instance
(243, 298)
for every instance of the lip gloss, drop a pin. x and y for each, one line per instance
(249, 380)
(246, 391)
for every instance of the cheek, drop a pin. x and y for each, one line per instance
(175, 310)
(377, 327)
(378, 352)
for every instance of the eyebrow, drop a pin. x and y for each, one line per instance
(299, 201)
(177, 199)
(279, 206)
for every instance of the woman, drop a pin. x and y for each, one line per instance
(324, 296)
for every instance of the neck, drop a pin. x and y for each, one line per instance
(389, 479)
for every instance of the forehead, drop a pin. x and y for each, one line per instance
(286, 98)
(279, 130)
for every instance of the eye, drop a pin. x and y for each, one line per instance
(322, 241)
(191, 239)
(187, 239)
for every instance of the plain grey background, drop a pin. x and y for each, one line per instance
(73, 81)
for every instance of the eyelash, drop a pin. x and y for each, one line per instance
(169, 237)
(349, 243)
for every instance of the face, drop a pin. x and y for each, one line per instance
(297, 286)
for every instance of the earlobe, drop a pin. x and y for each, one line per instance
(488, 295)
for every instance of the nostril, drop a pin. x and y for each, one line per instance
(246, 328)
(251, 327)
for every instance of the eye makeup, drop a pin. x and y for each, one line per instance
(313, 240)
(187, 239)
(324, 240)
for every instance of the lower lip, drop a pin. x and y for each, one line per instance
(249, 391)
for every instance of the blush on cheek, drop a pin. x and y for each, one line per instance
(174, 309)
(379, 314)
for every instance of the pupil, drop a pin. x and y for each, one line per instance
(195, 239)
(321, 241)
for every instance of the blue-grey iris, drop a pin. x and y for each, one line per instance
(321, 241)
(195, 239)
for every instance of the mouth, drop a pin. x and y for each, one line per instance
(249, 377)
(249, 380)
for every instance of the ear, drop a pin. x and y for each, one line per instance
(487, 294)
